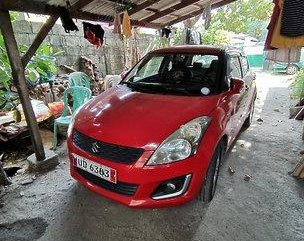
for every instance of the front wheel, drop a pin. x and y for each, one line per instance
(211, 177)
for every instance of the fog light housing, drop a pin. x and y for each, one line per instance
(172, 188)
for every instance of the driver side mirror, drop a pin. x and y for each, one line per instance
(236, 84)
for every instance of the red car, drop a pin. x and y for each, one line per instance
(158, 138)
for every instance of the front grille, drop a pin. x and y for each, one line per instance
(120, 187)
(111, 152)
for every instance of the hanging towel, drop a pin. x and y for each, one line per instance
(284, 55)
(126, 25)
(293, 18)
(93, 33)
(280, 41)
(117, 24)
(274, 18)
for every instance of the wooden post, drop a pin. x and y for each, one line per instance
(45, 29)
(19, 80)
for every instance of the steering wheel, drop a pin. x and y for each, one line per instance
(180, 74)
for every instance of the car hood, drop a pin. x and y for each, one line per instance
(124, 117)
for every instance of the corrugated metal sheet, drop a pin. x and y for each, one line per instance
(109, 8)
(101, 7)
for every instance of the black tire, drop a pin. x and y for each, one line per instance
(291, 69)
(209, 185)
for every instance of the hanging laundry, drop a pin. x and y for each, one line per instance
(117, 24)
(93, 33)
(67, 21)
(193, 37)
(293, 18)
(292, 55)
(274, 18)
(165, 32)
(280, 41)
(126, 25)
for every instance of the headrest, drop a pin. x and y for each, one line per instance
(197, 65)
(213, 64)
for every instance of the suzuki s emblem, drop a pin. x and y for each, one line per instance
(95, 147)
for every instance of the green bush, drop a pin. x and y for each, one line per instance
(297, 86)
(43, 62)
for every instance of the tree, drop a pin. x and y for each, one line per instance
(242, 16)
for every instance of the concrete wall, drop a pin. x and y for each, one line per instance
(110, 59)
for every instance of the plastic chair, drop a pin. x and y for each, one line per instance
(80, 96)
(79, 79)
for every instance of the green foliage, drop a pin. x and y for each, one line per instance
(177, 36)
(43, 61)
(41, 65)
(216, 37)
(297, 86)
(243, 16)
(5, 68)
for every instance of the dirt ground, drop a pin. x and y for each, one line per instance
(268, 207)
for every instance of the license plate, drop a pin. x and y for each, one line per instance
(104, 172)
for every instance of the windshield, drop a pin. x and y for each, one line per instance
(179, 74)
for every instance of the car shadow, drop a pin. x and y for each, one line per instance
(88, 216)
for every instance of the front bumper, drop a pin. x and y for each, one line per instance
(146, 178)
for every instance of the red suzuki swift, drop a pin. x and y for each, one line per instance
(158, 138)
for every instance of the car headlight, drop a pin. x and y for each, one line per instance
(182, 143)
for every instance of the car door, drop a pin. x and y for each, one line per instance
(237, 98)
(248, 77)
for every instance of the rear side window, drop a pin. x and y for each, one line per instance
(245, 65)
(234, 67)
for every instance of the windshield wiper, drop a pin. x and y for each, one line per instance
(140, 87)
(156, 87)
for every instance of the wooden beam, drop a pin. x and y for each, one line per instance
(198, 12)
(19, 81)
(142, 6)
(110, 19)
(28, 6)
(45, 29)
(169, 10)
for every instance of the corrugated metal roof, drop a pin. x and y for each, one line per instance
(151, 13)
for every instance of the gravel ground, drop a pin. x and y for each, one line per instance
(268, 207)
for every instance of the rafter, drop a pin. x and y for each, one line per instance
(142, 6)
(30, 6)
(169, 10)
(195, 13)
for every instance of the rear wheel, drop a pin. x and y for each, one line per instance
(209, 186)
(291, 69)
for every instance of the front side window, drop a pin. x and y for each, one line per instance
(184, 74)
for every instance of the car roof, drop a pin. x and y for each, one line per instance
(196, 49)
